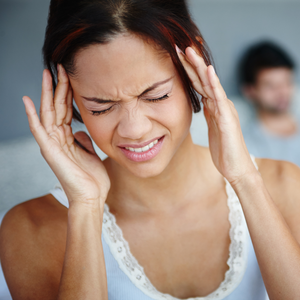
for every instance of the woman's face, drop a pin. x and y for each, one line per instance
(132, 102)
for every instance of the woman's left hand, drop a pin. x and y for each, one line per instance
(226, 143)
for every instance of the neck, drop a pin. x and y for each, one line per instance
(166, 192)
(282, 124)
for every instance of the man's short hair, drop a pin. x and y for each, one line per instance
(264, 55)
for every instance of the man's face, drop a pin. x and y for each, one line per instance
(273, 89)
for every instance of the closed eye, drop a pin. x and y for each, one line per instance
(159, 99)
(100, 112)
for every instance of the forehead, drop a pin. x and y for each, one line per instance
(126, 65)
(274, 75)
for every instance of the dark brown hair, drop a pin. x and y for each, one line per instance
(261, 56)
(76, 24)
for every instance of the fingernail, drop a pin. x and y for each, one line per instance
(178, 50)
(193, 50)
(213, 69)
(24, 101)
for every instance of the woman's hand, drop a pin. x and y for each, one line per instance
(226, 142)
(81, 173)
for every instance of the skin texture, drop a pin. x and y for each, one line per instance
(272, 94)
(172, 209)
(131, 119)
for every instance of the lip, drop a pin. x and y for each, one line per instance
(144, 156)
(140, 145)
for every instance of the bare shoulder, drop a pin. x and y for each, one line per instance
(32, 245)
(282, 180)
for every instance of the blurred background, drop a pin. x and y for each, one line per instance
(228, 26)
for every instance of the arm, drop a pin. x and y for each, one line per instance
(49, 252)
(277, 250)
(84, 274)
(86, 184)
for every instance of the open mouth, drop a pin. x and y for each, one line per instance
(145, 153)
(144, 149)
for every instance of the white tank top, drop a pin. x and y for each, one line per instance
(127, 280)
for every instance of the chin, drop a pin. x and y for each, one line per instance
(147, 169)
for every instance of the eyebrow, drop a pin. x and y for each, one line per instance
(152, 87)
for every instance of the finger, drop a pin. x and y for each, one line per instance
(61, 94)
(47, 111)
(35, 125)
(68, 119)
(198, 63)
(191, 73)
(219, 93)
(84, 142)
(210, 106)
(69, 135)
(210, 118)
(206, 113)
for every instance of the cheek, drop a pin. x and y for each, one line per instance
(100, 130)
(175, 114)
(271, 95)
(265, 94)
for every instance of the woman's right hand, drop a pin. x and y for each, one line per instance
(81, 173)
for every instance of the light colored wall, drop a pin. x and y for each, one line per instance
(228, 26)
(22, 27)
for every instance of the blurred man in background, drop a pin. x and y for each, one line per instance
(267, 77)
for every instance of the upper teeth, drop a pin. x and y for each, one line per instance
(146, 148)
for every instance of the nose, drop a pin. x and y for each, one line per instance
(134, 125)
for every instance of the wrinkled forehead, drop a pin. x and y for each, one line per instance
(126, 64)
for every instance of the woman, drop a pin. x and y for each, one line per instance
(156, 219)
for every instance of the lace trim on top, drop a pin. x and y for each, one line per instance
(237, 261)
(238, 250)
